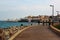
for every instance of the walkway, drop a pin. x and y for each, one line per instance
(38, 33)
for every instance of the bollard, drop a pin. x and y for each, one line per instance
(31, 24)
(21, 24)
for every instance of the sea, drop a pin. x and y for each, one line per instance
(7, 24)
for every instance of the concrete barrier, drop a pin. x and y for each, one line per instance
(20, 31)
(57, 31)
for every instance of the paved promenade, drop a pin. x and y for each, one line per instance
(37, 33)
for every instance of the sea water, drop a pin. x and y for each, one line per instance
(6, 24)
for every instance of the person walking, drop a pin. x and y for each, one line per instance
(43, 22)
(38, 22)
(46, 22)
(49, 22)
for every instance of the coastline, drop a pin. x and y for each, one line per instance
(11, 32)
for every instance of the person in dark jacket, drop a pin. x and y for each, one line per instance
(38, 22)
(43, 23)
(49, 22)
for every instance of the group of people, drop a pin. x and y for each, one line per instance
(46, 22)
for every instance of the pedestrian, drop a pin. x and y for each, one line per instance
(38, 22)
(49, 22)
(43, 23)
(46, 22)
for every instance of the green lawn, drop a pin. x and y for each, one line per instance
(57, 26)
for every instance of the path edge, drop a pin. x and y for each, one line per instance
(57, 31)
(19, 32)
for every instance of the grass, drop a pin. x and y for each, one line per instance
(57, 26)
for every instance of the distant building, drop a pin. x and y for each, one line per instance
(23, 20)
(56, 18)
(37, 18)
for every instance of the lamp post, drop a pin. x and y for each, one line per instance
(52, 13)
(52, 10)
(58, 16)
(57, 13)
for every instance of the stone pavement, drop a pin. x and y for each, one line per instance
(37, 33)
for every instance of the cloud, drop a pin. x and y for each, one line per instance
(34, 7)
(56, 4)
(24, 7)
(11, 5)
(20, 8)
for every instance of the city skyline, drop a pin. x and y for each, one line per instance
(20, 8)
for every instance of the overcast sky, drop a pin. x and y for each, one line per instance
(10, 9)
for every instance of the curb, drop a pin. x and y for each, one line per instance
(57, 31)
(20, 31)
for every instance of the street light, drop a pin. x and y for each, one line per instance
(52, 13)
(52, 10)
(57, 13)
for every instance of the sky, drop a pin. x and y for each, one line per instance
(12, 9)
